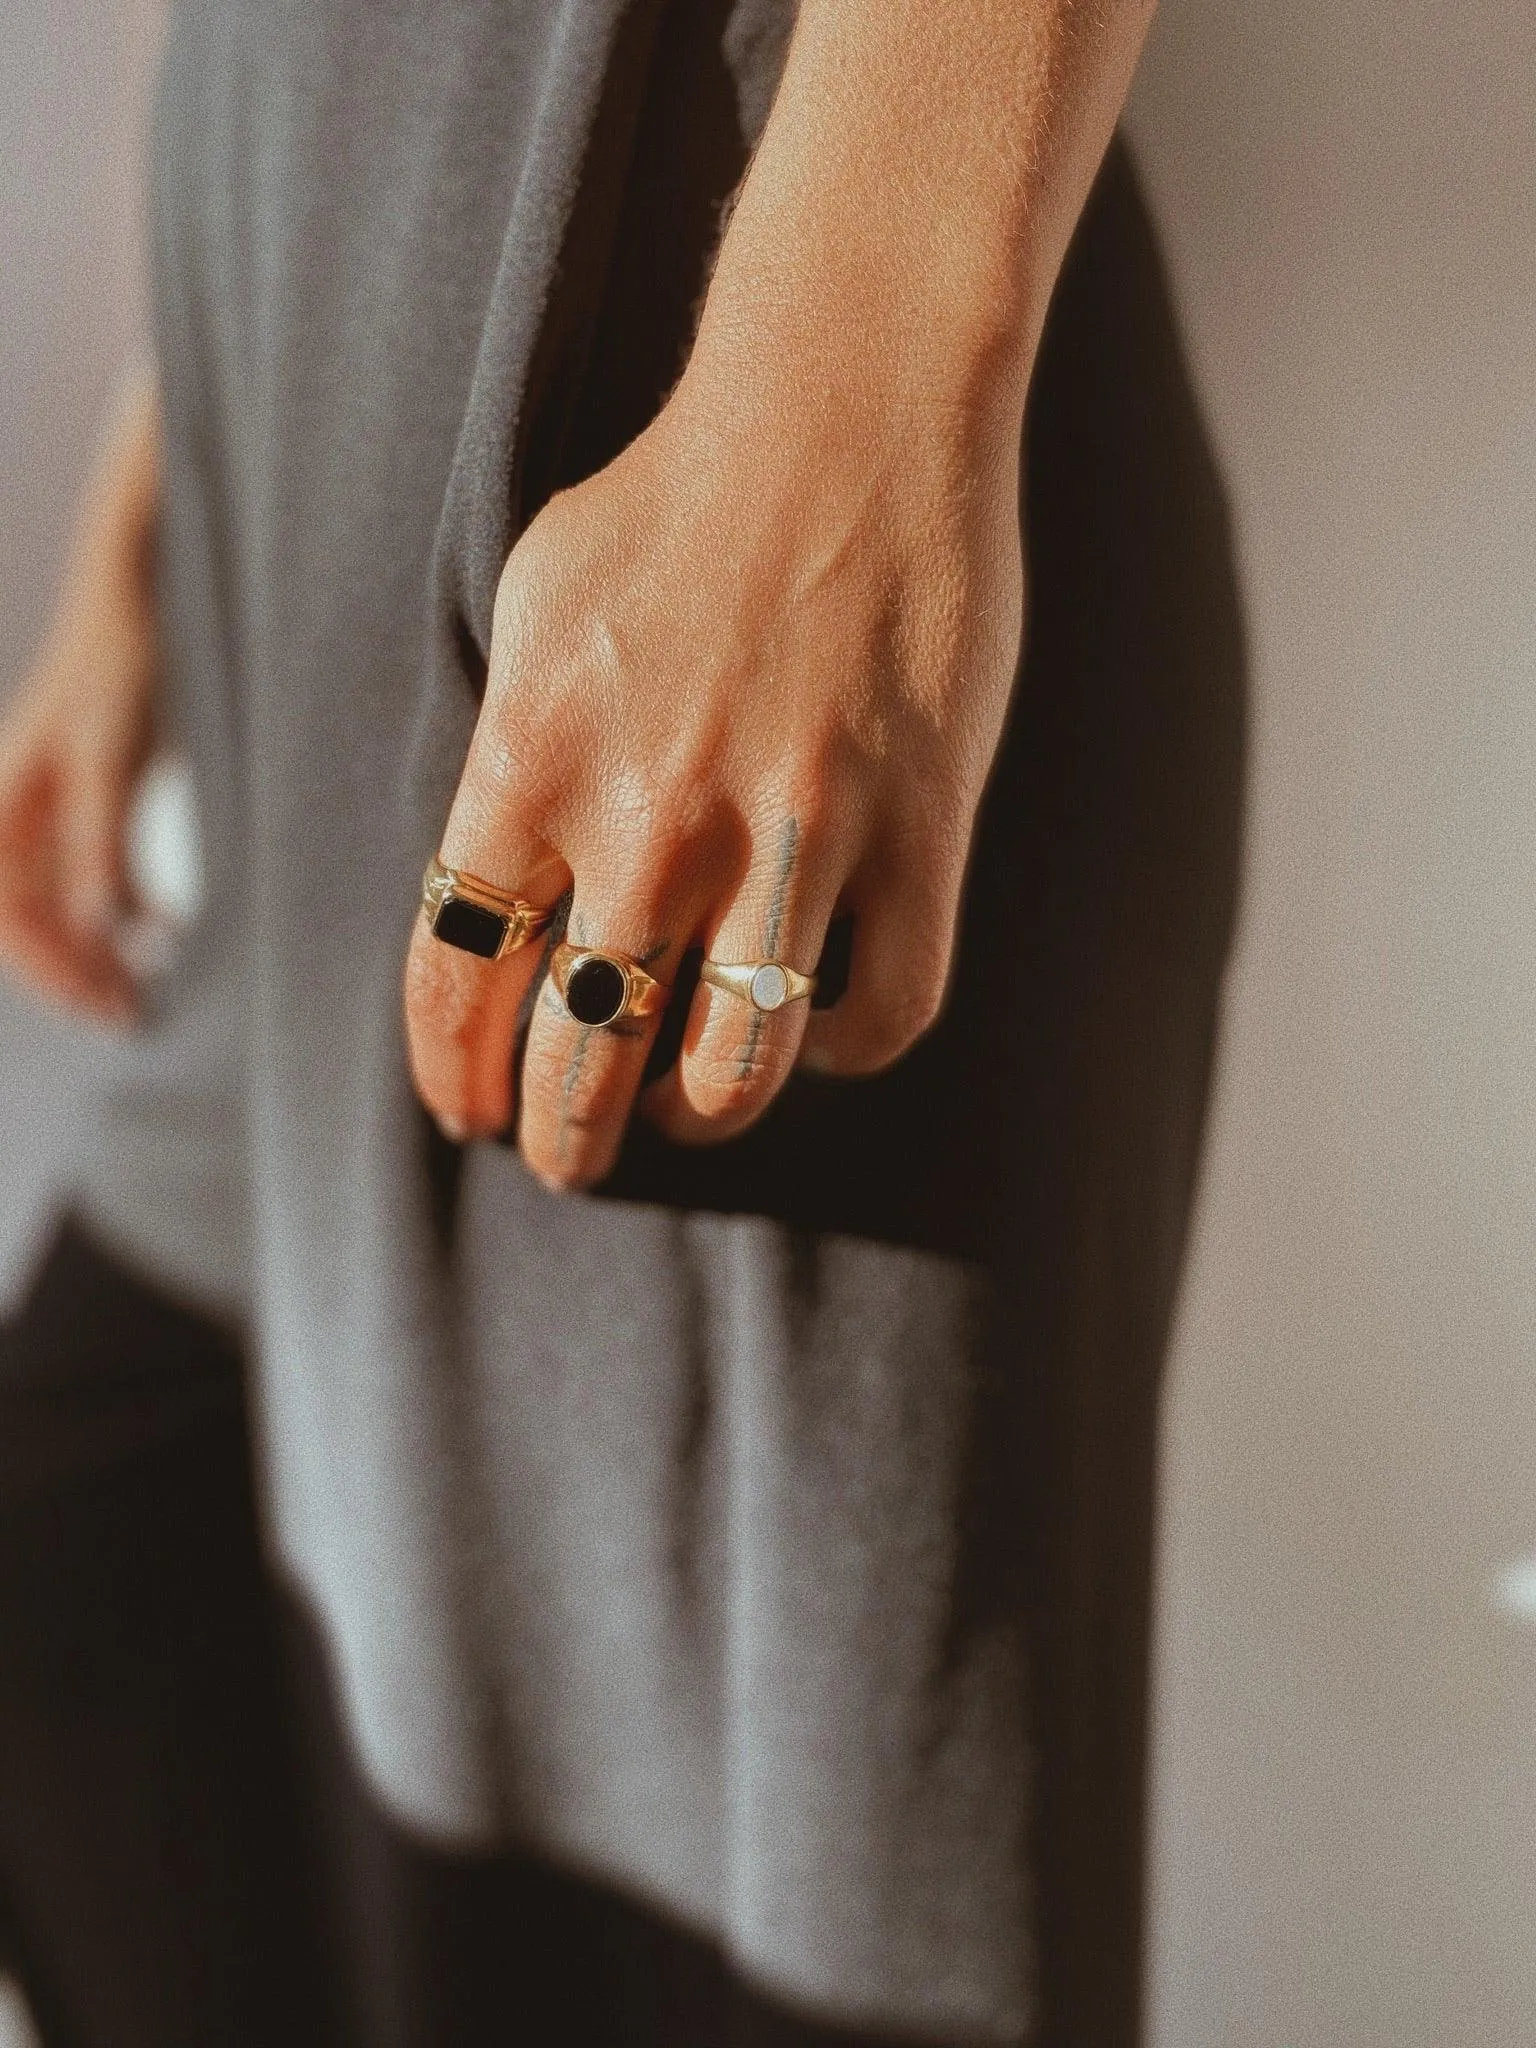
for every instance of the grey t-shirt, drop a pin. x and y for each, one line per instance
(567, 1603)
(679, 1532)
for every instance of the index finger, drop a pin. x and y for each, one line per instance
(465, 984)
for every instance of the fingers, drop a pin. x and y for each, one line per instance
(580, 1080)
(643, 907)
(904, 919)
(461, 1011)
(44, 940)
(94, 830)
(82, 975)
(736, 1055)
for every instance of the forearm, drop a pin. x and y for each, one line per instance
(915, 190)
(76, 731)
(111, 556)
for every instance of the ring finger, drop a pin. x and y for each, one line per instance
(745, 1027)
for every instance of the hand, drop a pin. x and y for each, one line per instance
(740, 681)
(754, 673)
(72, 741)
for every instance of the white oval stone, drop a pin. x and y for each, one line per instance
(770, 986)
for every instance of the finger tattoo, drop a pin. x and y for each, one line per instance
(570, 1122)
(789, 843)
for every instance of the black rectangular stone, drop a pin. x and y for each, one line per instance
(470, 928)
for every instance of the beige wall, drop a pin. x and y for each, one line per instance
(1346, 1785)
(74, 82)
(1346, 1853)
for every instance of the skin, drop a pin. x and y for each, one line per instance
(754, 673)
(76, 733)
(751, 675)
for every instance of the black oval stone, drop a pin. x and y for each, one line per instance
(595, 990)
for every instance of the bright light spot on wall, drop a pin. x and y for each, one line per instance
(1515, 1589)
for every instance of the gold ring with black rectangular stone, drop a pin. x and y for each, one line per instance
(601, 988)
(476, 916)
(766, 984)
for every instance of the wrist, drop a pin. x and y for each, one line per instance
(891, 321)
(904, 239)
(112, 558)
(911, 201)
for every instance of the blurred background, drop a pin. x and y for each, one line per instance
(1345, 1794)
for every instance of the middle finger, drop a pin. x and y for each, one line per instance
(580, 1076)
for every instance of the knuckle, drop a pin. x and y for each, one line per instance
(526, 743)
(524, 588)
(818, 804)
(513, 758)
(672, 796)
(533, 678)
(513, 654)
(649, 813)
(652, 840)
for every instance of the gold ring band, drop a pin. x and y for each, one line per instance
(476, 916)
(766, 984)
(601, 988)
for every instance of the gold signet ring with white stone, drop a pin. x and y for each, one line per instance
(476, 916)
(766, 984)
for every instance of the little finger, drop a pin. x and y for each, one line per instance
(903, 943)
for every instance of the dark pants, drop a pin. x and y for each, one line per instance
(150, 1874)
(187, 1857)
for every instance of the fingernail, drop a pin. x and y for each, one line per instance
(453, 1129)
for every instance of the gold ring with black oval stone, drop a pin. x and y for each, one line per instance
(601, 988)
(766, 984)
(476, 916)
